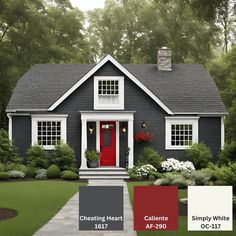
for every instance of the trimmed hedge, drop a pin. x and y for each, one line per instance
(69, 175)
(4, 176)
(53, 171)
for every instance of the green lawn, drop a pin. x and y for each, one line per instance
(182, 219)
(36, 202)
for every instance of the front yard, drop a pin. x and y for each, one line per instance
(182, 219)
(36, 203)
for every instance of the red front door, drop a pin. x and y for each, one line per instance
(108, 143)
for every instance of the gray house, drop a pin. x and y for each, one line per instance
(103, 106)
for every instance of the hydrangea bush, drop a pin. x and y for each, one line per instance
(142, 172)
(15, 174)
(172, 164)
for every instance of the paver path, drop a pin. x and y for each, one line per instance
(66, 221)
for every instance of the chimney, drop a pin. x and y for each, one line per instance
(164, 59)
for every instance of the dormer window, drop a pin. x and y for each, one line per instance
(109, 92)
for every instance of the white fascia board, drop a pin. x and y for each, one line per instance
(105, 116)
(121, 68)
(48, 115)
(215, 114)
(26, 110)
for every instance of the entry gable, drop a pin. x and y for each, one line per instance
(122, 69)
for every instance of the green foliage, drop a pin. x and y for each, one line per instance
(92, 155)
(7, 149)
(53, 171)
(69, 175)
(30, 171)
(2, 167)
(228, 154)
(226, 175)
(223, 70)
(4, 176)
(37, 157)
(15, 174)
(150, 156)
(200, 155)
(41, 174)
(27, 38)
(64, 157)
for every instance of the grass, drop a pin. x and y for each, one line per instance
(36, 202)
(182, 219)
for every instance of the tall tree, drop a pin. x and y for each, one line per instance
(40, 31)
(132, 30)
(223, 69)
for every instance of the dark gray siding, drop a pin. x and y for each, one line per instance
(135, 100)
(210, 133)
(21, 133)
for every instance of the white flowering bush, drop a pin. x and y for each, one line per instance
(15, 174)
(142, 172)
(172, 164)
(41, 174)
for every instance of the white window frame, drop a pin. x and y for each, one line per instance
(180, 121)
(34, 128)
(120, 105)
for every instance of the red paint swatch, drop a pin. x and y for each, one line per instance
(156, 208)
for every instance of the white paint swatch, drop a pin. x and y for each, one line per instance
(210, 208)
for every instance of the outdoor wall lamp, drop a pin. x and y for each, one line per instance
(91, 130)
(124, 130)
(143, 124)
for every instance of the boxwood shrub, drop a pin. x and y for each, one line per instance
(69, 175)
(53, 171)
(4, 176)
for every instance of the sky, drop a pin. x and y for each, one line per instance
(85, 5)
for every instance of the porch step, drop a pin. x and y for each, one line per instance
(104, 173)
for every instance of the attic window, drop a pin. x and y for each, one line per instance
(48, 131)
(181, 132)
(109, 92)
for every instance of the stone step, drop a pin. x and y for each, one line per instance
(103, 169)
(104, 177)
(103, 172)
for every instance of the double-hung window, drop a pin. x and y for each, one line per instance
(109, 92)
(181, 132)
(48, 130)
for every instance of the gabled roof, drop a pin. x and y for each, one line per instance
(188, 88)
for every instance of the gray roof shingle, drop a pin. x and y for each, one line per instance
(188, 88)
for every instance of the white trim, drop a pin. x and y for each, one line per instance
(98, 136)
(117, 143)
(202, 113)
(131, 143)
(83, 143)
(122, 69)
(15, 110)
(120, 104)
(222, 133)
(105, 116)
(49, 115)
(46, 117)
(9, 126)
(193, 120)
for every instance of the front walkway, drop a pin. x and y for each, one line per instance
(66, 221)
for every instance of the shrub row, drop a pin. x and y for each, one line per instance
(29, 171)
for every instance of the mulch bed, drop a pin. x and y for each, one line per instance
(183, 210)
(32, 179)
(6, 213)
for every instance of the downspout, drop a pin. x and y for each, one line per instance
(222, 132)
(9, 125)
